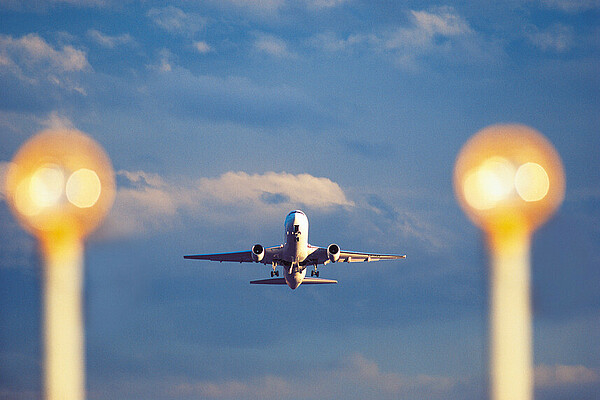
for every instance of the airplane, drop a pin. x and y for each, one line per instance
(295, 255)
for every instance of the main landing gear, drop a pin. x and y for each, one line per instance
(274, 272)
(314, 272)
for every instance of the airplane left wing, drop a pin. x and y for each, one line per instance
(321, 256)
(270, 254)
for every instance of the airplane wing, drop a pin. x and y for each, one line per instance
(319, 256)
(271, 253)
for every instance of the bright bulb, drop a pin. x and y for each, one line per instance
(489, 183)
(531, 182)
(46, 186)
(83, 188)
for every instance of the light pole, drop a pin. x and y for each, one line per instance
(60, 185)
(509, 180)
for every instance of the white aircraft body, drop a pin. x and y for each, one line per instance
(295, 255)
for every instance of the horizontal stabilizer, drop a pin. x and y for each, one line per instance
(281, 281)
(271, 281)
(315, 281)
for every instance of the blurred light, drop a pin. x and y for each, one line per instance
(60, 181)
(489, 183)
(83, 188)
(532, 182)
(47, 185)
(509, 180)
(61, 212)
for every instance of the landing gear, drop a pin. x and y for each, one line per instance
(274, 272)
(314, 272)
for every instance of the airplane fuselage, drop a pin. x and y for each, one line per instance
(295, 248)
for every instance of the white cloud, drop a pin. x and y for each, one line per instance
(256, 6)
(438, 32)
(32, 49)
(31, 59)
(560, 375)
(558, 38)
(202, 47)
(330, 42)
(571, 6)
(56, 121)
(148, 203)
(273, 46)
(267, 387)
(411, 43)
(4, 167)
(108, 41)
(324, 4)
(176, 21)
(352, 377)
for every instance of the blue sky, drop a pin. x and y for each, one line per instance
(222, 116)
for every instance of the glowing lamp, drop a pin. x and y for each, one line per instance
(509, 180)
(509, 177)
(60, 185)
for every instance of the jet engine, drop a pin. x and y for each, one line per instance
(333, 252)
(258, 252)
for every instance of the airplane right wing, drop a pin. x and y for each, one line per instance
(270, 254)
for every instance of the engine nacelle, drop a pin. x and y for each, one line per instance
(258, 252)
(333, 252)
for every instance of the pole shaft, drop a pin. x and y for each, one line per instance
(510, 317)
(63, 322)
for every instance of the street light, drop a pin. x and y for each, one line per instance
(60, 185)
(509, 180)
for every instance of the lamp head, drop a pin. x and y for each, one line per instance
(507, 177)
(60, 182)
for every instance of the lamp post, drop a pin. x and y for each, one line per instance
(509, 180)
(60, 185)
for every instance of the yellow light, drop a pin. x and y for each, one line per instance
(61, 212)
(509, 180)
(489, 183)
(508, 175)
(60, 181)
(83, 188)
(47, 185)
(532, 182)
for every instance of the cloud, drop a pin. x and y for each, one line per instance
(147, 203)
(571, 6)
(56, 121)
(4, 167)
(331, 43)
(32, 50)
(40, 6)
(558, 38)
(176, 21)
(110, 42)
(547, 376)
(352, 377)
(439, 32)
(202, 47)
(33, 61)
(273, 46)
(231, 98)
(261, 7)
(324, 4)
